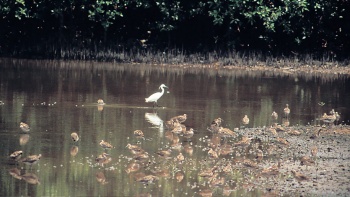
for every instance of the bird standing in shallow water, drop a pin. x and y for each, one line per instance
(74, 136)
(135, 149)
(32, 159)
(100, 102)
(306, 160)
(286, 111)
(299, 177)
(226, 132)
(274, 115)
(104, 158)
(139, 134)
(147, 179)
(105, 145)
(16, 155)
(180, 118)
(25, 127)
(245, 120)
(314, 151)
(154, 97)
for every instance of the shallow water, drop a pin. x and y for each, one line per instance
(57, 98)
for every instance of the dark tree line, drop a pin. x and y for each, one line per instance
(47, 28)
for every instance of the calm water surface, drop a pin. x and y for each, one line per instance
(57, 98)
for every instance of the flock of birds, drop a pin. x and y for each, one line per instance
(216, 168)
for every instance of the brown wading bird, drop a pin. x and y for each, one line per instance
(279, 127)
(245, 141)
(205, 193)
(259, 155)
(25, 127)
(215, 125)
(294, 132)
(180, 118)
(314, 151)
(74, 136)
(134, 149)
(245, 120)
(286, 111)
(188, 133)
(226, 132)
(227, 168)
(328, 118)
(225, 149)
(169, 124)
(299, 177)
(100, 102)
(16, 155)
(249, 163)
(316, 133)
(147, 179)
(272, 170)
(207, 172)
(217, 121)
(139, 133)
(282, 141)
(177, 130)
(217, 182)
(141, 157)
(274, 115)
(104, 158)
(105, 145)
(272, 130)
(133, 167)
(164, 153)
(212, 154)
(337, 116)
(32, 159)
(306, 160)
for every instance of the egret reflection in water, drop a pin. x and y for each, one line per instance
(154, 119)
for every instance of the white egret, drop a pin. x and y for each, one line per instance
(154, 97)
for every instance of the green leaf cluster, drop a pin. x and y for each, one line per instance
(294, 25)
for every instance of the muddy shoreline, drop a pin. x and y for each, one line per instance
(313, 70)
(329, 175)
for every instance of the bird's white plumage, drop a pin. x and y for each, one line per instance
(154, 97)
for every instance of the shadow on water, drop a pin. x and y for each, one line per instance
(57, 98)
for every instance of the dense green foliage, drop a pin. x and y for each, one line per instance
(47, 27)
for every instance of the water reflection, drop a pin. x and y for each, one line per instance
(29, 87)
(31, 178)
(23, 139)
(154, 119)
(15, 173)
(101, 178)
(74, 151)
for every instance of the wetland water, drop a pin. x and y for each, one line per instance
(58, 98)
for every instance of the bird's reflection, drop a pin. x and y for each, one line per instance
(23, 139)
(154, 119)
(74, 150)
(15, 173)
(101, 178)
(31, 178)
(100, 107)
